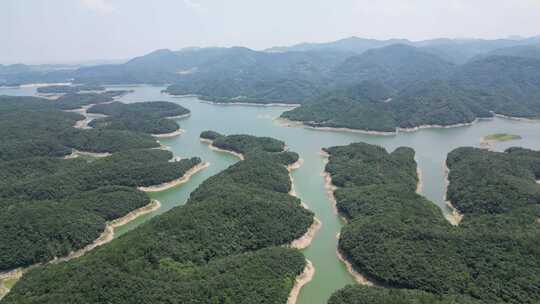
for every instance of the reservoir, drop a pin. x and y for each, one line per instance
(431, 146)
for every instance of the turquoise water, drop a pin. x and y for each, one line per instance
(431, 146)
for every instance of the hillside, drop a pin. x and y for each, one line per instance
(398, 239)
(224, 245)
(56, 204)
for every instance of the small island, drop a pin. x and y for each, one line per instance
(501, 137)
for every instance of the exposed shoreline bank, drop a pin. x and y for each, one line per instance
(178, 132)
(358, 277)
(88, 117)
(419, 183)
(76, 153)
(305, 277)
(211, 146)
(305, 240)
(455, 217)
(174, 183)
(106, 236)
(290, 123)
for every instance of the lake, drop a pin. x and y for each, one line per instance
(431, 146)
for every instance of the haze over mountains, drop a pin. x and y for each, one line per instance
(441, 81)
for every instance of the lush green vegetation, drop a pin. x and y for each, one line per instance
(72, 101)
(65, 89)
(146, 117)
(401, 240)
(501, 137)
(369, 295)
(52, 205)
(218, 248)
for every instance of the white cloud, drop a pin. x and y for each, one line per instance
(100, 6)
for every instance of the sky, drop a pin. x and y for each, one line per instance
(69, 31)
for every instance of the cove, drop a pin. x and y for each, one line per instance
(431, 146)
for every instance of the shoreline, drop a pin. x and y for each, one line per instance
(419, 184)
(212, 147)
(307, 238)
(305, 277)
(454, 217)
(358, 277)
(329, 186)
(181, 180)
(523, 119)
(179, 116)
(105, 237)
(88, 117)
(284, 122)
(76, 153)
(252, 104)
(178, 132)
(422, 127)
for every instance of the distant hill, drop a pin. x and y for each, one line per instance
(395, 65)
(525, 51)
(454, 50)
(352, 44)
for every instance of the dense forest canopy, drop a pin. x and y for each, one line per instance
(223, 246)
(399, 239)
(54, 205)
(147, 117)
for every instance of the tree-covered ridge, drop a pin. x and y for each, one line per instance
(249, 145)
(54, 206)
(369, 295)
(399, 239)
(146, 117)
(223, 246)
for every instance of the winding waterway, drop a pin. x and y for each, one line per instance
(431, 147)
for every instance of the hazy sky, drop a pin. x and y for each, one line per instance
(37, 31)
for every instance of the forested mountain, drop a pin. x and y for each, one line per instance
(397, 66)
(352, 44)
(222, 246)
(398, 239)
(504, 85)
(454, 50)
(54, 206)
(525, 51)
(147, 117)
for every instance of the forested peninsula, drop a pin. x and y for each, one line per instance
(403, 244)
(225, 245)
(147, 117)
(54, 204)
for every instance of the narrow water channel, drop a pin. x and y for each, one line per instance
(431, 147)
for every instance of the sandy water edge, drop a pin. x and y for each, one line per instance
(106, 236)
(455, 216)
(178, 132)
(174, 183)
(211, 146)
(419, 183)
(290, 123)
(301, 280)
(330, 188)
(305, 240)
(76, 153)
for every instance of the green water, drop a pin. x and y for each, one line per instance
(431, 147)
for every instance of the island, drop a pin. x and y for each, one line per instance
(395, 238)
(156, 117)
(228, 242)
(57, 205)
